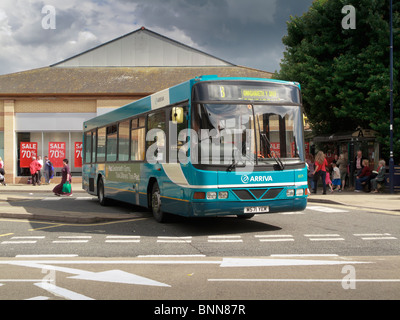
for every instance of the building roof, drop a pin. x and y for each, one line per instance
(137, 64)
(110, 81)
(142, 48)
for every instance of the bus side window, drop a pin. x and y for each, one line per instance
(88, 147)
(156, 124)
(138, 139)
(101, 145)
(177, 125)
(123, 141)
(112, 134)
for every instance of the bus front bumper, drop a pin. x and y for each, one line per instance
(222, 208)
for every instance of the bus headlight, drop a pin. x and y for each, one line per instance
(290, 192)
(299, 192)
(223, 195)
(211, 195)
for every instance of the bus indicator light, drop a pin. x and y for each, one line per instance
(199, 195)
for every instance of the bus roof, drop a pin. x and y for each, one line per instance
(178, 93)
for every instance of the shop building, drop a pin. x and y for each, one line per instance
(42, 110)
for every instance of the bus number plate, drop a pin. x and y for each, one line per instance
(256, 209)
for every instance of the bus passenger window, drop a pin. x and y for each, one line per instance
(138, 140)
(88, 147)
(178, 133)
(112, 134)
(156, 123)
(101, 145)
(123, 141)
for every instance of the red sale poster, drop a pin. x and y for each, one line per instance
(26, 152)
(57, 153)
(78, 154)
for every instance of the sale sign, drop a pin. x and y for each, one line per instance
(27, 150)
(78, 154)
(57, 153)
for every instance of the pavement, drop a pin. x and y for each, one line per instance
(380, 202)
(11, 207)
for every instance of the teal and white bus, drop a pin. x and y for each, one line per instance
(210, 146)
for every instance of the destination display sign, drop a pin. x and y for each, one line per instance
(254, 91)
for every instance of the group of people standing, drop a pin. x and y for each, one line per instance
(36, 166)
(340, 170)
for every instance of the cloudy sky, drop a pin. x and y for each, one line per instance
(247, 33)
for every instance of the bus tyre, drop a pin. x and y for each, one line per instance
(156, 204)
(245, 216)
(100, 192)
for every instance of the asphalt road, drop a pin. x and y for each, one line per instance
(325, 252)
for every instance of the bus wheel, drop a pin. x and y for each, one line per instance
(100, 192)
(156, 204)
(245, 216)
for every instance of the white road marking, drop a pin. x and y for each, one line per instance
(75, 237)
(375, 236)
(265, 262)
(70, 241)
(46, 255)
(162, 239)
(326, 209)
(274, 237)
(39, 298)
(302, 280)
(18, 242)
(224, 239)
(65, 293)
(324, 237)
(29, 237)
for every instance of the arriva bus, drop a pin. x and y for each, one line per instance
(210, 146)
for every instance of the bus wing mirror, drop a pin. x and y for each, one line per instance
(177, 114)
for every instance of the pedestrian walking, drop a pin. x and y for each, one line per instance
(336, 182)
(64, 188)
(40, 160)
(320, 171)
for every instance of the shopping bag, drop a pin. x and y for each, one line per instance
(66, 187)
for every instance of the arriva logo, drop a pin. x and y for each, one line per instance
(246, 179)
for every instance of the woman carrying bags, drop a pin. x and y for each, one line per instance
(64, 188)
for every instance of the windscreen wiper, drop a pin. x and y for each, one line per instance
(273, 153)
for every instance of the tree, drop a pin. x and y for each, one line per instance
(344, 73)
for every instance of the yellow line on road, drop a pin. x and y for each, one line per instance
(7, 234)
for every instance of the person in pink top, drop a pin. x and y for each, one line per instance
(320, 171)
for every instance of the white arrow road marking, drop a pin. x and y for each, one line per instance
(115, 276)
(65, 293)
(39, 298)
(118, 276)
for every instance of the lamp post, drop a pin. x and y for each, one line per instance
(391, 160)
